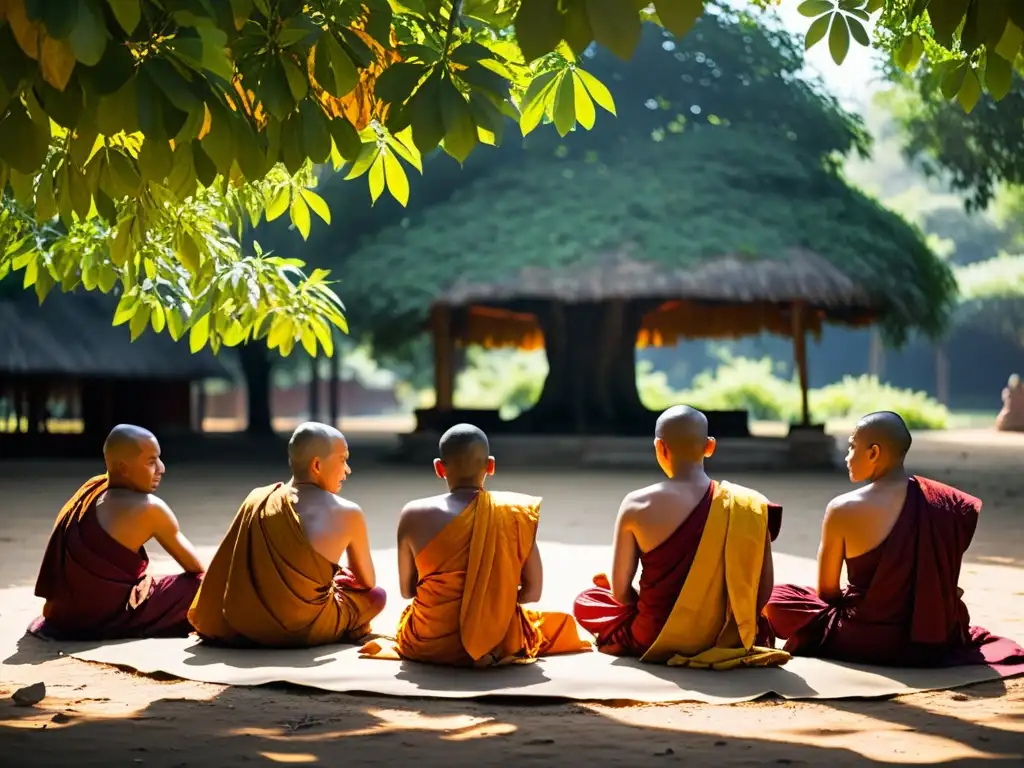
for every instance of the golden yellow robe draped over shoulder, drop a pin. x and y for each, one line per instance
(713, 623)
(466, 604)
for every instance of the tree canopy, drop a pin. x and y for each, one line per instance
(993, 295)
(139, 138)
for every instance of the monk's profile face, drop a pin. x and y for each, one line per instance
(143, 470)
(331, 471)
(862, 458)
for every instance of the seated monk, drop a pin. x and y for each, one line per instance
(698, 541)
(276, 580)
(903, 539)
(1011, 417)
(469, 561)
(95, 573)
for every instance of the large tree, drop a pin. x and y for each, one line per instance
(137, 136)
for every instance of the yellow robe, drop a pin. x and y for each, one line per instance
(268, 586)
(466, 604)
(713, 623)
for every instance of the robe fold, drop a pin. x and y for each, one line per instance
(97, 589)
(629, 630)
(267, 586)
(466, 604)
(902, 606)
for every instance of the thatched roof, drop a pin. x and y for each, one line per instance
(742, 222)
(71, 334)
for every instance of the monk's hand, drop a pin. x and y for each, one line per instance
(601, 580)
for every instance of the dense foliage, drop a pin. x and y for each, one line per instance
(993, 295)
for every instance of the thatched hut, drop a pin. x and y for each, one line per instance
(719, 232)
(67, 376)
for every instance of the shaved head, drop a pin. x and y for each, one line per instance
(684, 431)
(311, 441)
(132, 458)
(886, 430)
(125, 442)
(464, 450)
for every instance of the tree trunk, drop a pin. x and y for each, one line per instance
(257, 367)
(591, 382)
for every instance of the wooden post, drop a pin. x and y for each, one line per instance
(314, 389)
(876, 360)
(800, 358)
(444, 354)
(941, 374)
(335, 395)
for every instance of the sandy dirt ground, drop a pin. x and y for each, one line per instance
(98, 716)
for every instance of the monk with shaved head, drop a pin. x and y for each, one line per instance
(468, 560)
(902, 538)
(276, 580)
(705, 552)
(95, 573)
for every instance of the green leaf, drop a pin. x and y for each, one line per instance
(274, 91)
(279, 203)
(535, 101)
(583, 106)
(460, 136)
(89, 37)
(402, 144)
(376, 178)
(139, 321)
(564, 113)
(909, 52)
(945, 16)
(127, 12)
(316, 134)
(577, 32)
(323, 335)
(395, 178)
(679, 16)
(597, 90)
(816, 31)
(1011, 41)
(333, 68)
(188, 252)
(953, 81)
(812, 8)
(480, 77)
(123, 174)
(396, 83)
(23, 143)
(346, 138)
(998, 75)
(199, 334)
(539, 27)
(616, 25)
(175, 324)
(859, 33)
(425, 114)
(367, 157)
(970, 91)
(298, 85)
(126, 308)
(839, 38)
(318, 204)
(155, 159)
(122, 248)
(215, 58)
(46, 203)
(299, 213)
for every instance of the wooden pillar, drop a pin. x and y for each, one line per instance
(314, 389)
(941, 374)
(798, 316)
(444, 357)
(876, 360)
(335, 385)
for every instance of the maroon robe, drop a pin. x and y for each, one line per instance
(97, 589)
(902, 606)
(629, 630)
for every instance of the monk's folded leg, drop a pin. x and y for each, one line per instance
(364, 605)
(165, 612)
(558, 631)
(608, 620)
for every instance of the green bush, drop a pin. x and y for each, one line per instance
(855, 396)
(744, 384)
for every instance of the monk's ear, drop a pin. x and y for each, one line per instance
(660, 449)
(709, 447)
(490, 465)
(874, 452)
(439, 469)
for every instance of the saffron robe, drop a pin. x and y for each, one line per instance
(902, 606)
(466, 604)
(629, 630)
(267, 586)
(97, 589)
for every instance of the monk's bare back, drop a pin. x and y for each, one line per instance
(863, 518)
(335, 527)
(132, 519)
(654, 513)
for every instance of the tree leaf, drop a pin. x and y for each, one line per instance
(909, 52)
(945, 16)
(396, 83)
(679, 16)
(577, 32)
(139, 321)
(839, 38)
(616, 25)
(125, 308)
(970, 91)
(274, 91)
(376, 178)
(583, 106)
(539, 27)
(812, 8)
(564, 113)
(127, 12)
(57, 62)
(316, 134)
(188, 252)
(395, 178)
(858, 32)
(597, 90)
(199, 334)
(346, 138)
(298, 85)
(998, 75)
(953, 80)
(89, 37)
(279, 203)
(299, 213)
(534, 105)
(1011, 41)
(333, 68)
(318, 204)
(460, 136)
(816, 31)
(425, 114)
(23, 143)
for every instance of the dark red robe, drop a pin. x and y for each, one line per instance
(629, 630)
(96, 589)
(902, 606)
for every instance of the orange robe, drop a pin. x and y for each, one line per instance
(466, 603)
(267, 586)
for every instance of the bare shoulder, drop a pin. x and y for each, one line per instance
(418, 507)
(846, 503)
(345, 509)
(635, 503)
